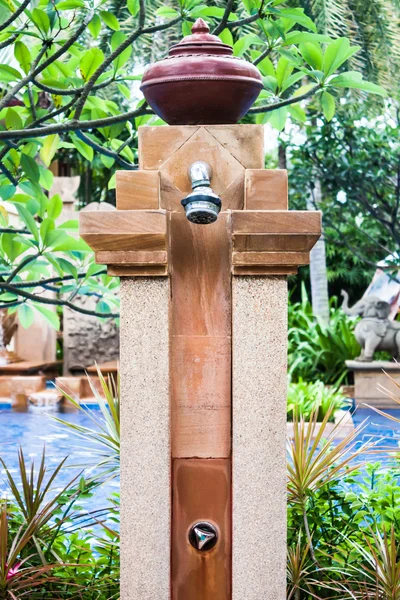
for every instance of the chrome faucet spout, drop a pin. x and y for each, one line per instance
(202, 206)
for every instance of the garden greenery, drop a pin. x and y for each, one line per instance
(343, 534)
(318, 351)
(305, 397)
(51, 547)
(67, 70)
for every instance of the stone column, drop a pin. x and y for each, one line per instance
(259, 437)
(145, 447)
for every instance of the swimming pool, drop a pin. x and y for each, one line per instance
(33, 430)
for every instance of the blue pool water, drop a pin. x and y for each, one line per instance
(34, 430)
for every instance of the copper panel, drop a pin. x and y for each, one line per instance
(201, 396)
(201, 492)
(200, 277)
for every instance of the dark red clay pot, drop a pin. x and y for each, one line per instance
(201, 82)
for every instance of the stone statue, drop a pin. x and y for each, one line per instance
(375, 331)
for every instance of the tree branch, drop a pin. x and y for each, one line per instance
(225, 18)
(22, 265)
(8, 42)
(54, 302)
(7, 173)
(287, 102)
(108, 61)
(42, 282)
(38, 68)
(15, 15)
(263, 55)
(71, 91)
(246, 21)
(106, 152)
(72, 125)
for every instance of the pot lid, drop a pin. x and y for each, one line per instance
(200, 42)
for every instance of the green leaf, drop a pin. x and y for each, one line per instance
(283, 70)
(278, 118)
(23, 56)
(353, 79)
(110, 20)
(95, 26)
(116, 40)
(297, 113)
(7, 191)
(336, 54)
(70, 4)
(270, 83)
(328, 105)
(292, 80)
(84, 149)
(312, 54)
(297, 15)
(167, 12)
(26, 315)
(54, 207)
(28, 219)
(266, 67)
(49, 148)
(13, 120)
(30, 168)
(9, 74)
(186, 28)
(46, 226)
(226, 37)
(46, 178)
(68, 267)
(300, 37)
(50, 315)
(125, 91)
(41, 20)
(11, 247)
(133, 7)
(244, 43)
(90, 62)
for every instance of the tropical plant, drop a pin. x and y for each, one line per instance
(69, 85)
(105, 436)
(49, 546)
(372, 24)
(318, 351)
(303, 398)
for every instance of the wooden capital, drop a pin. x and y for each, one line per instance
(266, 238)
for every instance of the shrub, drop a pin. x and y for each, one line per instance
(304, 397)
(317, 351)
(49, 546)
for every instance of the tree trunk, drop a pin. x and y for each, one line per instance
(318, 271)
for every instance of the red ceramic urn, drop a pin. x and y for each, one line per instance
(201, 82)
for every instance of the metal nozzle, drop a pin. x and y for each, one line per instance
(202, 206)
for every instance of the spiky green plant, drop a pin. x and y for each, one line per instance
(105, 436)
(376, 575)
(314, 460)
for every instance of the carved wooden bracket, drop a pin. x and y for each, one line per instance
(273, 242)
(129, 242)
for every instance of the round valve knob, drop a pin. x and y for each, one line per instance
(203, 536)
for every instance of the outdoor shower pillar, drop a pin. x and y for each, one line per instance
(203, 365)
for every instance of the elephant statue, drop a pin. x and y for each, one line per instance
(375, 331)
